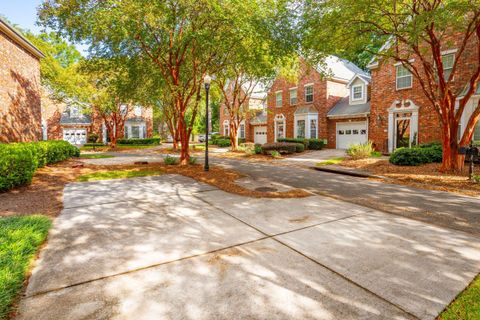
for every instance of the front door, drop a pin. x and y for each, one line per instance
(402, 132)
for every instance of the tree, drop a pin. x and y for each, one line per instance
(60, 68)
(415, 33)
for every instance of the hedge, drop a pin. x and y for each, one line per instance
(305, 142)
(222, 143)
(315, 144)
(281, 147)
(310, 144)
(146, 141)
(299, 147)
(19, 161)
(416, 156)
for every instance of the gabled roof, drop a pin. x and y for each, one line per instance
(306, 110)
(343, 109)
(260, 118)
(19, 39)
(364, 78)
(259, 90)
(340, 69)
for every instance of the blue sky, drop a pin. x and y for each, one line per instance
(24, 14)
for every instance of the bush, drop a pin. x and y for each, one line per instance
(91, 144)
(169, 160)
(361, 150)
(299, 147)
(315, 144)
(19, 161)
(92, 137)
(422, 154)
(140, 142)
(192, 160)
(305, 142)
(222, 143)
(258, 149)
(248, 147)
(281, 147)
(215, 137)
(275, 154)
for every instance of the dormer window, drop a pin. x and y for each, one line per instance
(123, 109)
(74, 112)
(137, 111)
(357, 93)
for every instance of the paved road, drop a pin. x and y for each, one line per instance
(168, 247)
(436, 207)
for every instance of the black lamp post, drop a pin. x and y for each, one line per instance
(207, 81)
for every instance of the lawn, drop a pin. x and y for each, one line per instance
(119, 147)
(331, 161)
(95, 156)
(466, 305)
(118, 174)
(20, 238)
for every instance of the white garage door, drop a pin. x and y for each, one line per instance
(349, 133)
(260, 134)
(75, 136)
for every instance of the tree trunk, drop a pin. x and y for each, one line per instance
(233, 136)
(452, 162)
(184, 140)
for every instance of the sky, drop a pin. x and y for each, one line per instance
(24, 14)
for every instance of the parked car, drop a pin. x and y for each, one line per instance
(201, 137)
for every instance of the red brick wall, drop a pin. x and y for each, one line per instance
(20, 106)
(326, 95)
(384, 93)
(248, 127)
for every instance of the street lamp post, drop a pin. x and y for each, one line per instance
(207, 81)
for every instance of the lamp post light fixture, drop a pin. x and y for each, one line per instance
(207, 81)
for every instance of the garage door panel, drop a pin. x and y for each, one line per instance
(351, 133)
(260, 134)
(75, 136)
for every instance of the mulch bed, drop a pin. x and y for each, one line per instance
(425, 176)
(44, 194)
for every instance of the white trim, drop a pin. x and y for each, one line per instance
(450, 51)
(309, 84)
(357, 76)
(279, 118)
(413, 109)
(401, 63)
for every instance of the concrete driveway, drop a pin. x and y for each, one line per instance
(311, 158)
(168, 247)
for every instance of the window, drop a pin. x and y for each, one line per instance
(137, 111)
(313, 129)
(278, 99)
(357, 92)
(309, 93)
(126, 132)
(225, 111)
(301, 129)
(242, 131)
(341, 132)
(226, 128)
(476, 133)
(348, 131)
(448, 61)
(280, 129)
(74, 112)
(293, 96)
(404, 78)
(363, 131)
(123, 109)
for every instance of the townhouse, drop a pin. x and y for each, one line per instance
(20, 87)
(73, 121)
(312, 106)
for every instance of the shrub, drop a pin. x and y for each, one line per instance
(305, 142)
(299, 147)
(281, 147)
(18, 161)
(215, 137)
(275, 154)
(140, 142)
(169, 160)
(361, 150)
(192, 160)
(408, 157)
(222, 143)
(422, 154)
(92, 137)
(315, 144)
(248, 147)
(258, 149)
(91, 144)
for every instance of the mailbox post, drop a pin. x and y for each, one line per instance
(470, 153)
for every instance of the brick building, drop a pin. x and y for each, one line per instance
(73, 122)
(20, 87)
(401, 115)
(253, 127)
(301, 109)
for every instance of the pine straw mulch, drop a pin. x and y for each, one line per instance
(44, 194)
(425, 176)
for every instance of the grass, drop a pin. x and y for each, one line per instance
(119, 147)
(20, 237)
(467, 304)
(331, 161)
(118, 174)
(95, 156)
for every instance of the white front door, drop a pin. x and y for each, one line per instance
(75, 136)
(349, 133)
(260, 134)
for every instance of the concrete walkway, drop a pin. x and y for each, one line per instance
(168, 247)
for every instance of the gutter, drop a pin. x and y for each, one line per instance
(347, 116)
(19, 39)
